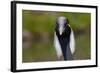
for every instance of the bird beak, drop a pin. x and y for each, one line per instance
(61, 31)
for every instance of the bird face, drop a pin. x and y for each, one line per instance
(61, 22)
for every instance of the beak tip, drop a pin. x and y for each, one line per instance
(60, 33)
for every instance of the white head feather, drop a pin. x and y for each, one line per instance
(61, 21)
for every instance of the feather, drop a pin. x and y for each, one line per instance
(72, 42)
(57, 46)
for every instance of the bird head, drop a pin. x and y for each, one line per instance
(62, 22)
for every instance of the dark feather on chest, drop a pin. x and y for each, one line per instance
(65, 34)
(64, 42)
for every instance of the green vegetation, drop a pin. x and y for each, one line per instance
(42, 25)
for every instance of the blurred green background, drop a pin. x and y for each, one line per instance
(38, 35)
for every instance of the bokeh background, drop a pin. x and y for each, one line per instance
(38, 35)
